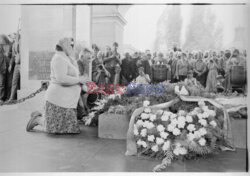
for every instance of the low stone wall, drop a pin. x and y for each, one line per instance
(113, 126)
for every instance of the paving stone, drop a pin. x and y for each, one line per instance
(21, 151)
(113, 126)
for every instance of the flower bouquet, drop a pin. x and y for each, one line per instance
(165, 135)
(118, 109)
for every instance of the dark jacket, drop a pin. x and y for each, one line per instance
(3, 63)
(126, 69)
(145, 64)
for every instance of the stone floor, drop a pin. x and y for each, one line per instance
(39, 152)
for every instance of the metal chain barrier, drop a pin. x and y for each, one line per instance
(43, 87)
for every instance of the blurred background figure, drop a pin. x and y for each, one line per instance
(4, 63)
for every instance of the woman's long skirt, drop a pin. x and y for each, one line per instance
(59, 120)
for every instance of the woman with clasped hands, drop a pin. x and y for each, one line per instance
(62, 94)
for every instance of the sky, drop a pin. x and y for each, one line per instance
(140, 30)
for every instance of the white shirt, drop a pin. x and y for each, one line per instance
(142, 79)
(64, 90)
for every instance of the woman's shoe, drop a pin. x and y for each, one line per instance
(33, 120)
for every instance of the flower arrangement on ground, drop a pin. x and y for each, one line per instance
(183, 135)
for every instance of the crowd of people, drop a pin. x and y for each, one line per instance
(66, 97)
(207, 69)
(9, 67)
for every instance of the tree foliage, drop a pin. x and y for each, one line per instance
(203, 32)
(169, 28)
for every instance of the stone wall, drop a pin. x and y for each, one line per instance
(41, 28)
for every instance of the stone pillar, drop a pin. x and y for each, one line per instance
(83, 23)
(41, 28)
(107, 26)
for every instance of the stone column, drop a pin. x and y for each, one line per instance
(84, 23)
(41, 28)
(107, 26)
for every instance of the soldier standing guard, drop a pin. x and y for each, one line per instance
(16, 74)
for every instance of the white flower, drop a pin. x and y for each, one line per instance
(147, 110)
(183, 151)
(151, 138)
(144, 144)
(213, 123)
(205, 108)
(181, 125)
(174, 121)
(197, 134)
(166, 146)
(150, 125)
(168, 113)
(159, 141)
(152, 117)
(205, 115)
(143, 132)
(200, 116)
(201, 103)
(145, 124)
(176, 131)
(203, 131)
(193, 113)
(171, 127)
(136, 132)
(160, 112)
(181, 113)
(144, 116)
(203, 122)
(155, 148)
(146, 103)
(160, 128)
(176, 151)
(164, 135)
(202, 141)
(139, 142)
(211, 113)
(181, 119)
(191, 127)
(190, 136)
(164, 118)
(177, 144)
(189, 119)
(173, 116)
(139, 123)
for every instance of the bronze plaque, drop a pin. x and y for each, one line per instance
(39, 65)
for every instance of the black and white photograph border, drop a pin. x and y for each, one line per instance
(124, 87)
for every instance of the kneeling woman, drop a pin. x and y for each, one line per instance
(62, 94)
